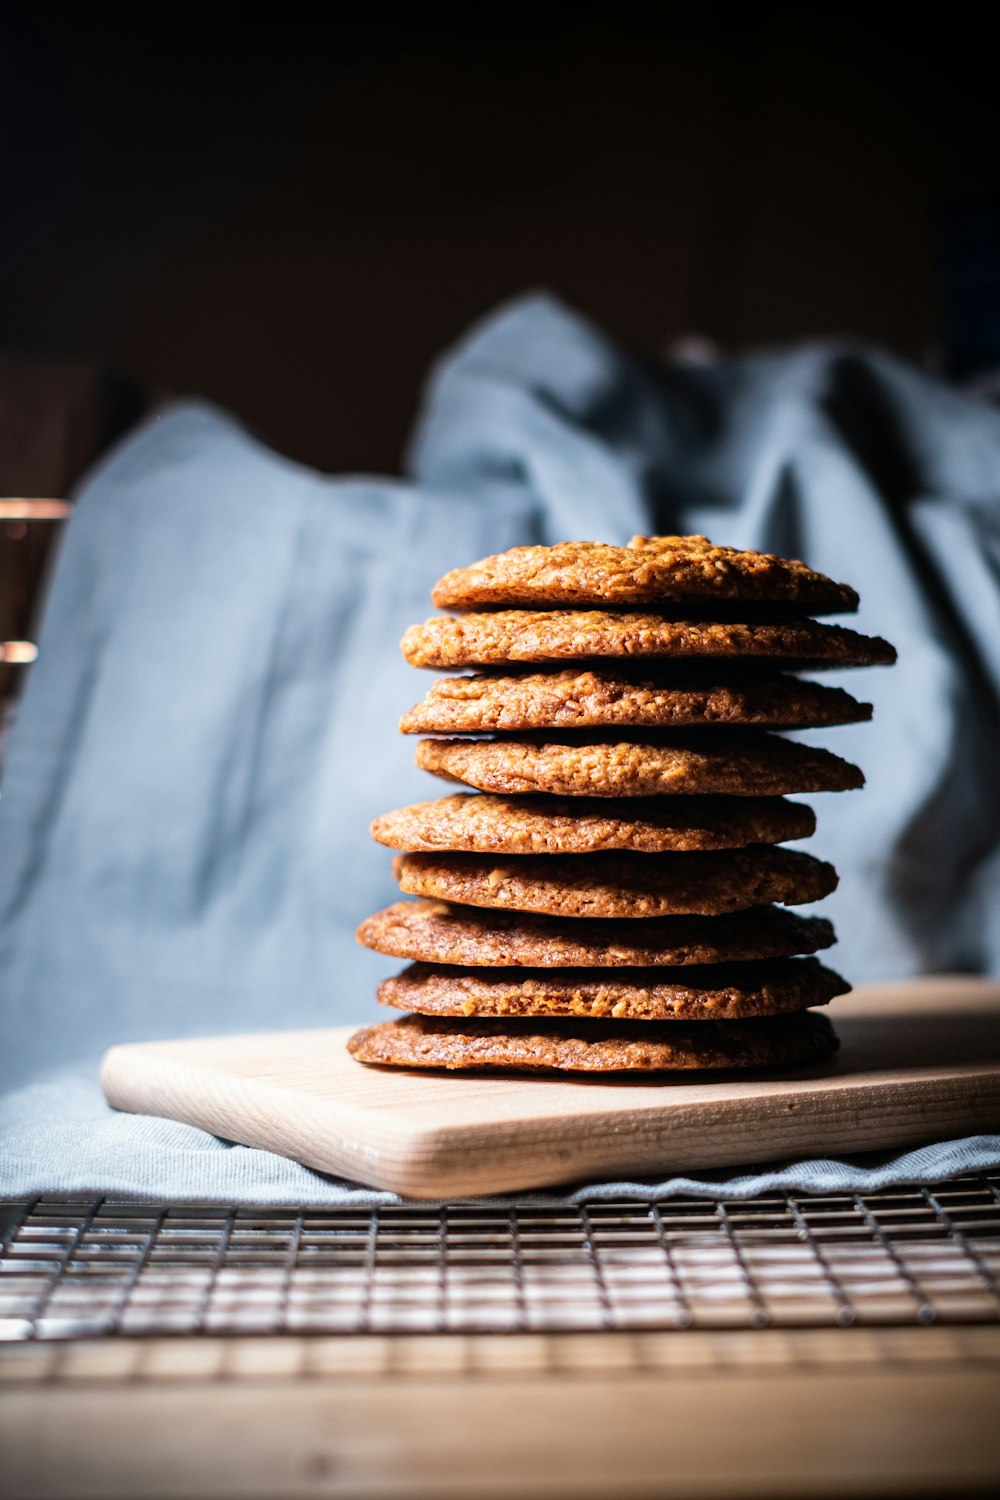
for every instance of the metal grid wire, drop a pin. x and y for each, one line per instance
(906, 1255)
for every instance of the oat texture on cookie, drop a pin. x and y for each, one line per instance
(607, 888)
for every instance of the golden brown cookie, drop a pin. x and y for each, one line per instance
(587, 698)
(438, 932)
(651, 571)
(620, 885)
(560, 635)
(719, 993)
(582, 1046)
(483, 824)
(651, 765)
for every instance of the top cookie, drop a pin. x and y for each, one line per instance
(562, 635)
(654, 571)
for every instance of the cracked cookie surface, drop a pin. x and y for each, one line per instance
(559, 635)
(663, 570)
(482, 823)
(440, 932)
(583, 699)
(719, 993)
(620, 885)
(649, 765)
(582, 1046)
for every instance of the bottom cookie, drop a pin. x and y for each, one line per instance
(595, 1046)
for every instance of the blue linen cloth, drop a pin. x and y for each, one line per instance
(211, 723)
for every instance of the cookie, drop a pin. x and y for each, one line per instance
(583, 699)
(653, 765)
(582, 1046)
(484, 824)
(438, 932)
(719, 993)
(651, 571)
(620, 885)
(514, 635)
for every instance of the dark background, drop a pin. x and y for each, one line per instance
(293, 208)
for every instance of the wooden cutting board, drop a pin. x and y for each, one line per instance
(919, 1061)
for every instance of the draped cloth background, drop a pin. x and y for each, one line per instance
(211, 723)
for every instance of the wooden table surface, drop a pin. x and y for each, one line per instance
(681, 1414)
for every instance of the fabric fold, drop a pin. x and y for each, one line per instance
(211, 722)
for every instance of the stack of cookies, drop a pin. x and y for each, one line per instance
(608, 895)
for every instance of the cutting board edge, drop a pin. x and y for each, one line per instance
(433, 1174)
(149, 1086)
(431, 1162)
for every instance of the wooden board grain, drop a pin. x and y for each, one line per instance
(919, 1061)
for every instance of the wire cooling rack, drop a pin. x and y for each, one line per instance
(907, 1255)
